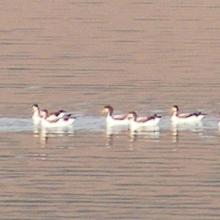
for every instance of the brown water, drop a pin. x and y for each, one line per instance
(138, 55)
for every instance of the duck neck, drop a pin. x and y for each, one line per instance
(110, 112)
(36, 113)
(175, 113)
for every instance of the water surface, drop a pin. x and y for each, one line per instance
(135, 55)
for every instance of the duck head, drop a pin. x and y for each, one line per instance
(108, 109)
(35, 108)
(44, 113)
(132, 116)
(175, 110)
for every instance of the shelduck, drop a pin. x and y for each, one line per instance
(115, 120)
(148, 122)
(60, 122)
(195, 117)
(38, 114)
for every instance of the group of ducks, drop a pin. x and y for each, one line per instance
(56, 119)
(62, 118)
(134, 122)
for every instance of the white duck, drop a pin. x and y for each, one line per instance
(65, 121)
(115, 120)
(37, 114)
(186, 118)
(148, 122)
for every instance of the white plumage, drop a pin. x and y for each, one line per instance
(66, 120)
(187, 118)
(144, 123)
(115, 120)
(57, 119)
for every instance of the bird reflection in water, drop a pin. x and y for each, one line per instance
(45, 133)
(178, 128)
(113, 131)
(146, 134)
(133, 135)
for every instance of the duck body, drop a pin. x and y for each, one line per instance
(115, 120)
(118, 120)
(65, 121)
(60, 123)
(189, 118)
(145, 123)
(57, 115)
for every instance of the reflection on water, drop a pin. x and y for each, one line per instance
(93, 124)
(153, 135)
(111, 130)
(193, 127)
(45, 133)
(94, 168)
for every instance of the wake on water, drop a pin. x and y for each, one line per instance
(25, 124)
(91, 124)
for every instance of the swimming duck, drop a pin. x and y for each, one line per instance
(115, 120)
(187, 117)
(37, 114)
(66, 120)
(148, 122)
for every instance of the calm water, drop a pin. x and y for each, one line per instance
(137, 55)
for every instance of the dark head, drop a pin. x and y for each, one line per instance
(44, 113)
(108, 109)
(132, 116)
(175, 108)
(35, 107)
